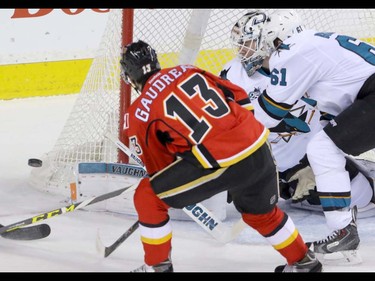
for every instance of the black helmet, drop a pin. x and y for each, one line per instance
(139, 61)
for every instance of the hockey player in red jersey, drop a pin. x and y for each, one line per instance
(196, 133)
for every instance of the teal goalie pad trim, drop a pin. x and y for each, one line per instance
(112, 168)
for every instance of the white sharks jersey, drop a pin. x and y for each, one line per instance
(330, 67)
(287, 148)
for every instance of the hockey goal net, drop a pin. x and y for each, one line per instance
(195, 36)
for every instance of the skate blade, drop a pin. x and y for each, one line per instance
(351, 257)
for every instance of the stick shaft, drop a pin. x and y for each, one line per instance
(109, 249)
(66, 209)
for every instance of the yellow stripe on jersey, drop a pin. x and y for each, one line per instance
(288, 241)
(284, 236)
(192, 185)
(277, 105)
(235, 158)
(249, 107)
(156, 235)
(156, 241)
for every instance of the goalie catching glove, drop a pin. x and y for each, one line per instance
(301, 180)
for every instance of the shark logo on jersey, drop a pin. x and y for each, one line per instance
(254, 94)
(302, 113)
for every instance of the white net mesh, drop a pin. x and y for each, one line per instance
(171, 32)
(95, 111)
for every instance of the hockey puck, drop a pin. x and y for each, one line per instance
(35, 162)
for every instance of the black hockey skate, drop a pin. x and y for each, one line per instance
(165, 266)
(341, 247)
(308, 264)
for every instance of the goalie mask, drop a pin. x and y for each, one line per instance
(246, 37)
(139, 61)
(281, 25)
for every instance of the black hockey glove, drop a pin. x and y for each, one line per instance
(284, 189)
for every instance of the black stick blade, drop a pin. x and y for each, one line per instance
(28, 233)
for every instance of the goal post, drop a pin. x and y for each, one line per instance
(125, 89)
(192, 36)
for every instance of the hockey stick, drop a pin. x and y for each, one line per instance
(66, 209)
(107, 250)
(197, 212)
